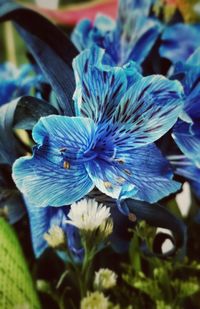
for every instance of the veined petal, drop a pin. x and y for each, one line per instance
(148, 36)
(131, 5)
(151, 174)
(106, 177)
(80, 35)
(99, 88)
(48, 178)
(146, 112)
(73, 133)
(137, 36)
(141, 173)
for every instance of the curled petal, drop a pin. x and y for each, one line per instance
(98, 88)
(47, 178)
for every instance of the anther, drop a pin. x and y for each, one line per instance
(132, 217)
(66, 165)
(62, 149)
(107, 185)
(127, 172)
(120, 180)
(120, 161)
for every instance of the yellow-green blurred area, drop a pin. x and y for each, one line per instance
(12, 47)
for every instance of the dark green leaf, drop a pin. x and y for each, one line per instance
(21, 113)
(52, 50)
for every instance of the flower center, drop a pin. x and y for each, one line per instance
(68, 158)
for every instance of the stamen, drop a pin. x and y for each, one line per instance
(120, 180)
(66, 165)
(108, 158)
(114, 153)
(107, 185)
(127, 172)
(132, 217)
(175, 157)
(183, 163)
(62, 149)
(120, 161)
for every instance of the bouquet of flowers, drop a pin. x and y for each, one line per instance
(99, 159)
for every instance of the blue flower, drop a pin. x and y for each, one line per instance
(187, 134)
(131, 37)
(109, 144)
(15, 82)
(179, 41)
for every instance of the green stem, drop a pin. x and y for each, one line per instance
(89, 255)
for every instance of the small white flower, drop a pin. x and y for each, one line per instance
(95, 300)
(87, 215)
(55, 237)
(105, 279)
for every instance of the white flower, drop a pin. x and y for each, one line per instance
(87, 215)
(95, 300)
(55, 237)
(105, 279)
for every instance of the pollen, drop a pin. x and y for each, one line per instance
(108, 185)
(62, 149)
(132, 217)
(120, 180)
(66, 165)
(120, 161)
(127, 172)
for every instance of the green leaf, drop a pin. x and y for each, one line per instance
(16, 285)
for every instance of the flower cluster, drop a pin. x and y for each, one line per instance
(118, 136)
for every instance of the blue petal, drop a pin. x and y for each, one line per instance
(125, 7)
(135, 31)
(140, 173)
(15, 82)
(43, 178)
(146, 112)
(192, 102)
(41, 220)
(151, 174)
(188, 140)
(105, 176)
(146, 39)
(194, 59)
(80, 35)
(176, 37)
(138, 38)
(133, 73)
(191, 172)
(74, 242)
(99, 88)
(86, 33)
(189, 75)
